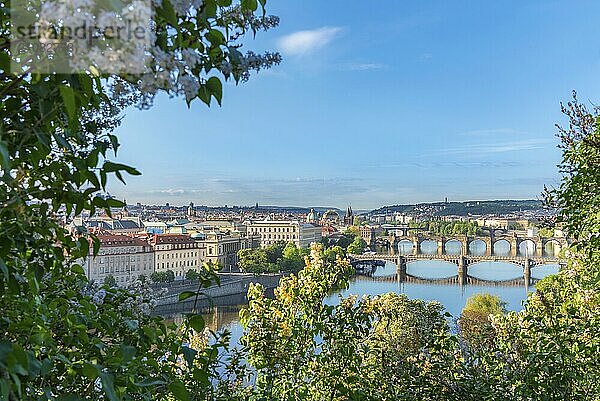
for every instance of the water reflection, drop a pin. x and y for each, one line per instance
(431, 269)
(527, 248)
(552, 248)
(539, 272)
(452, 296)
(495, 271)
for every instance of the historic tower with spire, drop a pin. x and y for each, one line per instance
(349, 217)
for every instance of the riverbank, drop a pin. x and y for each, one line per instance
(232, 291)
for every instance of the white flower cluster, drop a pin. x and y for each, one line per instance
(248, 63)
(184, 7)
(76, 35)
(172, 73)
(98, 297)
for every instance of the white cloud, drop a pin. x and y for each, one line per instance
(366, 66)
(504, 147)
(306, 42)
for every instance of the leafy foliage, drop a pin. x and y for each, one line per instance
(272, 259)
(475, 323)
(60, 337)
(167, 276)
(446, 228)
(357, 246)
(300, 347)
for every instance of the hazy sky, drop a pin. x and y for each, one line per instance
(378, 103)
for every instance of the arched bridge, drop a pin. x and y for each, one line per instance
(462, 263)
(515, 245)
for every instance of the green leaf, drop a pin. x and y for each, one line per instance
(128, 352)
(251, 5)
(215, 87)
(189, 354)
(68, 97)
(110, 167)
(5, 62)
(4, 389)
(204, 94)
(216, 37)
(108, 386)
(168, 13)
(4, 157)
(196, 322)
(96, 245)
(179, 391)
(90, 371)
(185, 295)
(3, 268)
(150, 383)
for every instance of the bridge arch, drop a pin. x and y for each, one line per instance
(527, 248)
(453, 247)
(552, 247)
(405, 247)
(478, 247)
(502, 247)
(428, 246)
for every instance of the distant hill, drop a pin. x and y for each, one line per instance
(466, 208)
(298, 210)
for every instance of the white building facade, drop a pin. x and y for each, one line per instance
(178, 253)
(273, 231)
(122, 257)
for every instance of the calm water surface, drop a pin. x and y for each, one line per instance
(452, 296)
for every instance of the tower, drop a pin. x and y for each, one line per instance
(349, 217)
(191, 211)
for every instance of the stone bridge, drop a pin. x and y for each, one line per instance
(537, 244)
(462, 263)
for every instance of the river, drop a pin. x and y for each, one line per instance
(453, 296)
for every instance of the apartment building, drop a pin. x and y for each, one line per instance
(272, 231)
(178, 253)
(222, 248)
(122, 257)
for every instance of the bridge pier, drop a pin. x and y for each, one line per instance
(401, 269)
(462, 270)
(441, 244)
(489, 246)
(464, 245)
(514, 247)
(527, 272)
(539, 248)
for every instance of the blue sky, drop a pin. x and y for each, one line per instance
(378, 103)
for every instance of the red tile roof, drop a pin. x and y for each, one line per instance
(107, 240)
(172, 239)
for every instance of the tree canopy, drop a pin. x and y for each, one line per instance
(61, 337)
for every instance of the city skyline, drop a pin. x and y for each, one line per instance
(377, 106)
